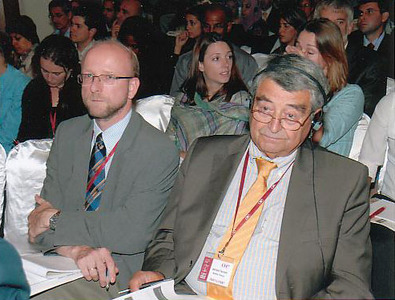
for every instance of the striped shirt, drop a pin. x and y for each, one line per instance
(255, 275)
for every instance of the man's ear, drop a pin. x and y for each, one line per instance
(134, 84)
(92, 32)
(385, 16)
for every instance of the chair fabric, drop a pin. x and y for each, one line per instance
(390, 85)
(3, 157)
(156, 110)
(25, 173)
(359, 135)
(261, 59)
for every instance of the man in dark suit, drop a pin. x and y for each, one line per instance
(365, 67)
(108, 178)
(215, 20)
(374, 15)
(306, 236)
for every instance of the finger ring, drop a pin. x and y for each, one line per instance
(94, 268)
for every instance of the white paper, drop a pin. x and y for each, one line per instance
(160, 291)
(46, 272)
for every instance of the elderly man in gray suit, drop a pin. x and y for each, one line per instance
(108, 178)
(269, 215)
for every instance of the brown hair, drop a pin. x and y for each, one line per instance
(195, 82)
(330, 44)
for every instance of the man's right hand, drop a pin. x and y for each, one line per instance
(94, 263)
(141, 277)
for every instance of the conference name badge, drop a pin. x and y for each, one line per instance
(215, 270)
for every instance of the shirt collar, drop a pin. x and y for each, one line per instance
(255, 153)
(112, 134)
(376, 42)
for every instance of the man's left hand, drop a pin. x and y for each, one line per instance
(38, 220)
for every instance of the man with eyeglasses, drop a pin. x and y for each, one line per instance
(108, 177)
(372, 20)
(60, 15)
(268, 215)
(216, 19)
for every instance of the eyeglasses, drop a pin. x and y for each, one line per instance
(106, 79)
(369, 11)
(287, 123)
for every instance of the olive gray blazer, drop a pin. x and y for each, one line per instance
(141, 176)
(324, 246)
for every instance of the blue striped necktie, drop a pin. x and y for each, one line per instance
(94, 191)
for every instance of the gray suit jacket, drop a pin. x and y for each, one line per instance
(245, 63)
(141, 175)
(339, 268)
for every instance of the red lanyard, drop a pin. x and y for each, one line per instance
(101, 167)
(52, 119)
(256, 206)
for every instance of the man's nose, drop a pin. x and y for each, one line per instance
(275, 125)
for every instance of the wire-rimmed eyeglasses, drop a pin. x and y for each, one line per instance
(106, 79)
(287, 123)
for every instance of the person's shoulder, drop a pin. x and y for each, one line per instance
(350, 89)
(219, 143)
(74, 126)
(186, 57)
(331, 161)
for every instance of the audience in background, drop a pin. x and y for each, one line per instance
(24, 37)
(139, 35)
(378, 147)
(54, 95)
(60, 14)
(365, 66)
(214, 99)
(12, 84)
(372, 20)
(215, 20)
(291, 20)
(87, 25)
(321, 41)
(307, 6)
(127, 8)
(110, 9)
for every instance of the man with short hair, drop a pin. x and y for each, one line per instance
(87, 25)
(269, 215)
(60, 15)
(127, 8)
(108, 178)
(215, 20)
(374, 14)
(109, 10)
(365, 67)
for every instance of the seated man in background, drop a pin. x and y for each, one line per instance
(365, 67)
(101, 209)
(215, 20)
(306, 236)
(60, 15)
(379, 139)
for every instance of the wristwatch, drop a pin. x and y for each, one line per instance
(53, 220)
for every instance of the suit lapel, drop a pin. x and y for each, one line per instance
(120, 163)
(82, 153)
(299, 202)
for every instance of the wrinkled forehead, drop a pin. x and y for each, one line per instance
(215, 17)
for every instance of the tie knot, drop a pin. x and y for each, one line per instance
(100, 141)
(370, 46)
(264, 167)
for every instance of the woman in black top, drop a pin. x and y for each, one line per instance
(54, 95)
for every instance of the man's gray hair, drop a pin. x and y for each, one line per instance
(295, 73)
(133, 57)
(335, 4)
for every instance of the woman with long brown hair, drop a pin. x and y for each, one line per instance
(321, 41)
(214, 98)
